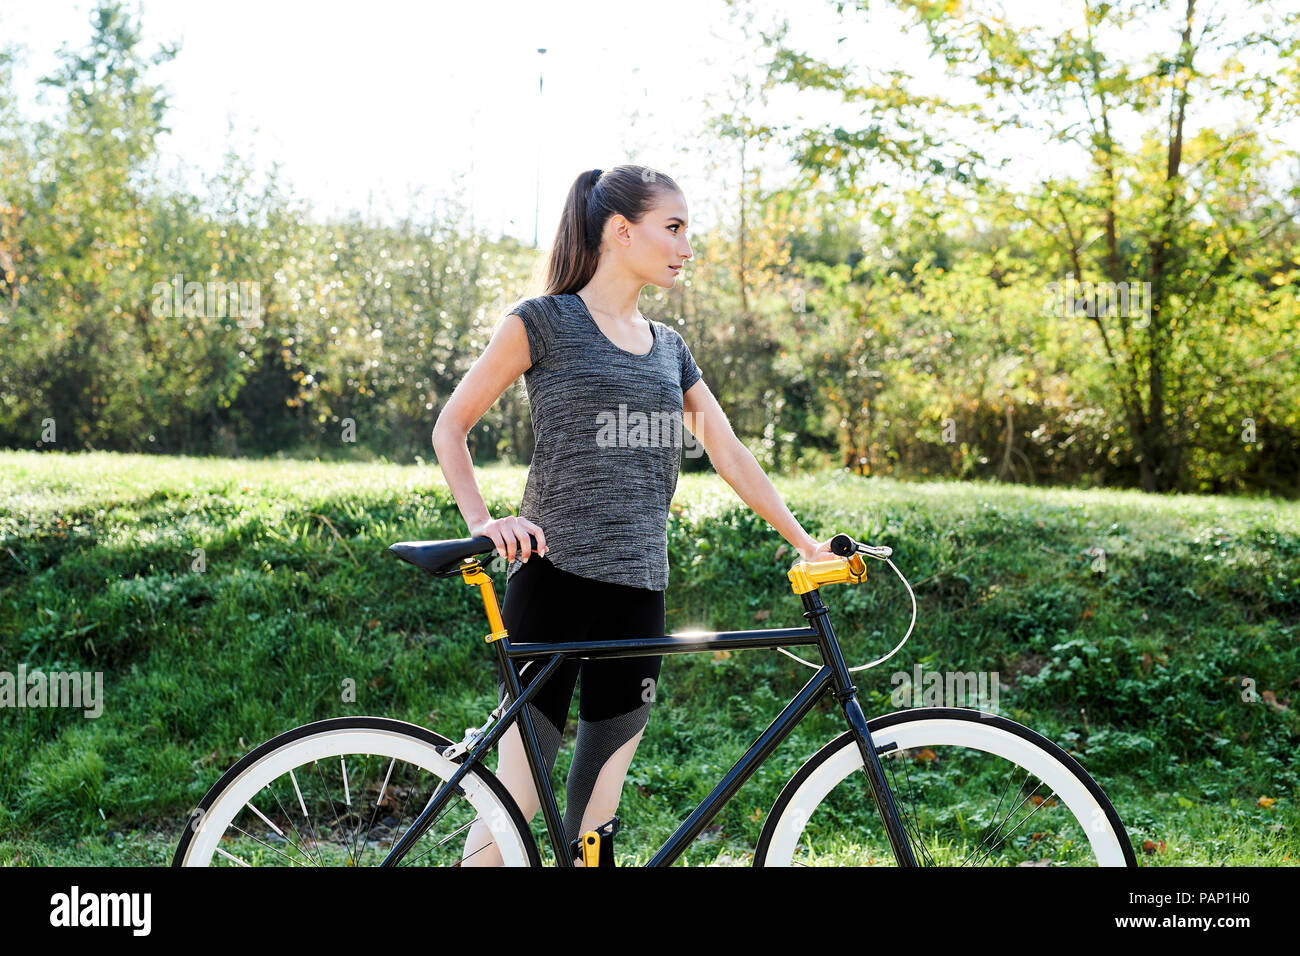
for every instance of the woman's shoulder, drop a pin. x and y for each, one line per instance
(550, 315)
(548, 304)
(546, 320)
(669, 333)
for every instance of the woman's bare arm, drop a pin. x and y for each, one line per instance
(504, 360)
(738, 467)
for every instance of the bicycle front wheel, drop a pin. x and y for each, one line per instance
(972, 789)
(342, 792)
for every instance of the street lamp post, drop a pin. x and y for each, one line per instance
(537, 197)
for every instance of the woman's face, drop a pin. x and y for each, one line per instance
(659, 241)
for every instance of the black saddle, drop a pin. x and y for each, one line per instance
(445, 557)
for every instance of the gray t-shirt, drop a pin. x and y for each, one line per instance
(609, 437)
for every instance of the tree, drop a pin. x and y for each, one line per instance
(1067, 84)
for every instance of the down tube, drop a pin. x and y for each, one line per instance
(744, 768)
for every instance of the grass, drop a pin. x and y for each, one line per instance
(225, 601)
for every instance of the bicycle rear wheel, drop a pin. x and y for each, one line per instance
(341, 792)
(973, 789)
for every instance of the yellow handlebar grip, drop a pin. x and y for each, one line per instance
(809, 575)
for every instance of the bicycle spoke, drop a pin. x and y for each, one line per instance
(338, 826)
(396, 831)
(255, 839)
(1027, 816)
(289, 819)
(996, 810)
(354, 851)
(306, 818)
(445, 807)
(916, 824)
(252, 806)
(378, 800)
(461, 862)
(460, 829)
(1004, 820)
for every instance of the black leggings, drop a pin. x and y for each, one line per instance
(544, 603)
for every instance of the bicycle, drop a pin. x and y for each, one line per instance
(374, 771)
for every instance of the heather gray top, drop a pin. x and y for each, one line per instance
(608, 429)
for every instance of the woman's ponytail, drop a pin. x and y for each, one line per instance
(628, 190)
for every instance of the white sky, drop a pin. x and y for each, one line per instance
(383, 106)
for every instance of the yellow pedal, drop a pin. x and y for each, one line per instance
(591, 848)
(596, 846)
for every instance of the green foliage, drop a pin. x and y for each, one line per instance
(884, 307)
(1170, 675)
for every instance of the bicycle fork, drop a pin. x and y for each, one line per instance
(847, 694)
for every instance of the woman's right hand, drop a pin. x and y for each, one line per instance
(510, 534)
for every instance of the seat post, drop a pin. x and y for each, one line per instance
(474, 574)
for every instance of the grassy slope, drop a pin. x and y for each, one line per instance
(1138, 670)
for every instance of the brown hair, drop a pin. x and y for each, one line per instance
(628, 190)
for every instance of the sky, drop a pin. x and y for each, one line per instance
(383, 107)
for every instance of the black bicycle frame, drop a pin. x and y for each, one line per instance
(833, 675)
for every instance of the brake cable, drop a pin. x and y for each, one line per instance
(880, 554)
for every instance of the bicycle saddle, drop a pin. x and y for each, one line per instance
(444, 557)
(441, 557)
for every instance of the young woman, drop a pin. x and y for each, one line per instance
(602, 383)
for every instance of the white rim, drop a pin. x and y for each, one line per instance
(939, 731)
(337, 743)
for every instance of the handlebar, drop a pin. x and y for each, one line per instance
(844, 546)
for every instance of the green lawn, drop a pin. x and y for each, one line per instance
(1142, 670)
